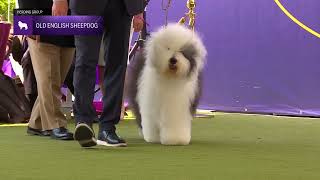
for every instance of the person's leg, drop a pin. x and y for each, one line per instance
(44, 57)
(34, 90)
(60, 66)
(116, 42)
(66, 58)
(30, 88)
(87, 52)
(30, 84)
(35, 120)
(46, 60)
(101, 65)
(69, 78)
(35, 125)
(101, 74)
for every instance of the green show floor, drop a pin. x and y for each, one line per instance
(224, 147)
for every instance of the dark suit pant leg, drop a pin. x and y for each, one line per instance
(116, 41)
(69, 79)
(87, 51)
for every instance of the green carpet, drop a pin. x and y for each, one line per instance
(226, 147)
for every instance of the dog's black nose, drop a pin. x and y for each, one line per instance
(173, 61)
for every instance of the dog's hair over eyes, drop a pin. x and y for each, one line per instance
(189, 51)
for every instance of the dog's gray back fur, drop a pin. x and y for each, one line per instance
(195, 103)
(133, 73)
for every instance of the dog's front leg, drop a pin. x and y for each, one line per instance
(150, 128)
(175, 130)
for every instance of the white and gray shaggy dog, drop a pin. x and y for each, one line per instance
(163, 84)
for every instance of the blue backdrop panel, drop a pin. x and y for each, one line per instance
(259, 59)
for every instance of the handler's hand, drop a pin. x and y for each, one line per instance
(138, 22)
(60, 8)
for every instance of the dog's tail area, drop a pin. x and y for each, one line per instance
(195, 102)
(140, 132)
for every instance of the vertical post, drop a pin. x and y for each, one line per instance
(8, 11)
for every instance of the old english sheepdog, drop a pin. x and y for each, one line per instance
(163, 84)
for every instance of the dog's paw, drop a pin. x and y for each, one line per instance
(152, 140)
(176, 141)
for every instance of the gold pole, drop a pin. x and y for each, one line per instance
(182, 20)
(191, 5)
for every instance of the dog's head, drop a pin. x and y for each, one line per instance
(175, 51)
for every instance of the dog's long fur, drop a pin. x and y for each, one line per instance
(164, 84)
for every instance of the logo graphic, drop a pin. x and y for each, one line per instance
(294, 19)
(23, 25)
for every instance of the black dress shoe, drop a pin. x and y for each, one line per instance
(32, 131)
(84, 135)
(110, 138)
(61, 134)
(38, 132)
